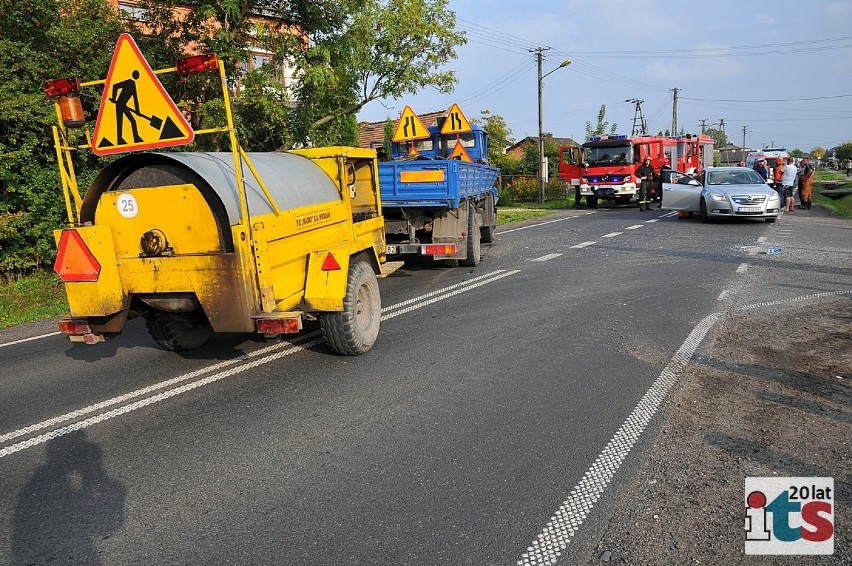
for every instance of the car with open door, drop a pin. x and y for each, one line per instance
(723, 192)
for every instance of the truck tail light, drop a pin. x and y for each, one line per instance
(75, 262)
(273, 326)
(197, 64)
(439, 249)
(72, 326)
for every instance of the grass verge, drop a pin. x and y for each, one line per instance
(824, 180)
(37, 296)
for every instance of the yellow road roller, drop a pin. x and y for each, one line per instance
(195, 246)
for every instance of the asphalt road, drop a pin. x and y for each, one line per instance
(487, 398)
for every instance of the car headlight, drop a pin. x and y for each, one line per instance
(718, 196)
(774, 196)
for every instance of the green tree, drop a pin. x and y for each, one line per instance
(797, 153)
(818, 152)
(718, 135)
(387, 48)
(42, 40)
(499, 136)
(601, 126)
(843, 151)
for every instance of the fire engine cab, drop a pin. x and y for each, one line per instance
(605, 166)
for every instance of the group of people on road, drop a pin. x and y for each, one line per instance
(787, 177)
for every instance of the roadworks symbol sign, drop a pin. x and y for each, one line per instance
(136, 112)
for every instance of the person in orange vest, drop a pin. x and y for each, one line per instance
(776, 176)
(806, 181)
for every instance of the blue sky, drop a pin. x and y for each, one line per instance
(781, 68)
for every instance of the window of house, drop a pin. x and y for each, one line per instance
(132, 12)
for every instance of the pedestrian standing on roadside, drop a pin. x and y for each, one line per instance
(806, 181)
(777, 173)
(760, 167)
(645, 174)
(788, 182)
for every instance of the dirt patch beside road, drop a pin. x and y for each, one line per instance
(770, 396)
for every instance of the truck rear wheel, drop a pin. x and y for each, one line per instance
(592, 202)
(473, 245)
(178, 331)
(354, 330)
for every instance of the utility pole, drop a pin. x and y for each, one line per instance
(722, 128)
(640, 127)
(674, 110)
(744, 134)
(539, 57)
(703, 123)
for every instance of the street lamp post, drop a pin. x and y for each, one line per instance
(564, 63)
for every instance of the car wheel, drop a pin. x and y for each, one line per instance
(704, 216)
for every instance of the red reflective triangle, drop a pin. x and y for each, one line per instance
(75, 261)
(330, 264)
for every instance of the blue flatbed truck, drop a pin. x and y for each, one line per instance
(436, 206)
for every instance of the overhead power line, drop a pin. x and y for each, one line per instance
(767, 99)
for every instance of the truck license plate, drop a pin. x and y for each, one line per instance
(748, 209)
(391, 250)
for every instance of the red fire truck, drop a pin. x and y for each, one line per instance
(605, 166)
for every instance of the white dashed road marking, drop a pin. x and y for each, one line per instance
(634, 227)
(652, 220)
(724, 295)
(554, 538)
(564, 524)
(546, 257)
(583, 245)
(742, 268)
(612, 234)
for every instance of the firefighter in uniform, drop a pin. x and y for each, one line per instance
(645, 174)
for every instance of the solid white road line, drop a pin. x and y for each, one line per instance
(583, 245)
(253, 359)
(22, 340)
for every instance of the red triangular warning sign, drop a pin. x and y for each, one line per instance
(136, 112)
(75, 261)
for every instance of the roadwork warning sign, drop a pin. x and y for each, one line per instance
(136, 112)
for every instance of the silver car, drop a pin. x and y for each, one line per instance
(726, 192)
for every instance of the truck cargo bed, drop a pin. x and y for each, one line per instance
(434, 183)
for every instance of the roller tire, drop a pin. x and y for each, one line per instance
(473, 246)
(178, 331)
(354, 330)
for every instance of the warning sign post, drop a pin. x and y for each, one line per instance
(136, 112)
